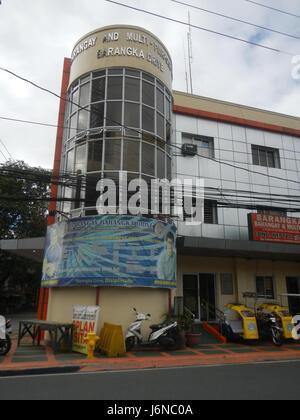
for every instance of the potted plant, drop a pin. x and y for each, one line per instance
(181, 333)
(187, 323)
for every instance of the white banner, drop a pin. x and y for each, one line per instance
(85, 320)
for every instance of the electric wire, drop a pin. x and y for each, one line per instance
(272, 8)
(6, 149)
(5, 158)
(74, 182)
(210, 193)
(171, 145)
(203, 29)
(236, 20)
(140, 132)
(36, 123)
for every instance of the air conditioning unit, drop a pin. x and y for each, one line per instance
(189, 149)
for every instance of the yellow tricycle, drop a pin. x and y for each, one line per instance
(239, 323)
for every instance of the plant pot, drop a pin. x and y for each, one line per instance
(192, 339)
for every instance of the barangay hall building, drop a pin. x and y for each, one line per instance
(122, 116)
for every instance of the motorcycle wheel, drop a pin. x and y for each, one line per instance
(129, 343)
(170, 347)
(277, 337)
(174, 335)
(5, 345)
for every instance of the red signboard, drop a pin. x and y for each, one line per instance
(270, 228)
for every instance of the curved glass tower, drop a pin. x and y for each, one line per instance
(118, 113)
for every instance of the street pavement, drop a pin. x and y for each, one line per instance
(30, 359)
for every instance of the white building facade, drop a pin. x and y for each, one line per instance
(250, 162)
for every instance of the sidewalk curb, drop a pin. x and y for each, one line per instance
(39, 371)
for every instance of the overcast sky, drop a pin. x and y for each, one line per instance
(36, 35)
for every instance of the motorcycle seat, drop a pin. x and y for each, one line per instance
(157, 326)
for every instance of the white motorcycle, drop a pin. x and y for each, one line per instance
(165, 334)
(5, 331)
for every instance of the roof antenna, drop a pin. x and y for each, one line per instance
(190, 53)
(185, 68)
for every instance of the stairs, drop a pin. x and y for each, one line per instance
(206, 338)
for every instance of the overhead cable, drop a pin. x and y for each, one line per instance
(273, 8)
(203, 29)
(235, 19)
(140, 132)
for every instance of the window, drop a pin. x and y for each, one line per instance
(131, 155)
(112, 154)
(98, 90)
(97, 115)
(94, 156)
(114, 88)
(148, 119)
(132, 115)
(205, 145)
(210, 212)
(148, 94)
(132, 89)
(91, 195)
(265, 287)
(226, 284)
(147, 159)
(160, 164)
(114, 113)
(160, 125)
(70, 160)
(160, 100)
(80, 159)
(83, 119)
(84, 94)
(265, 156)
(75, 100)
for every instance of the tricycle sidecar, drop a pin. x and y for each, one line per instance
(239, 323)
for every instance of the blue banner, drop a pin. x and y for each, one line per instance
(110, 251)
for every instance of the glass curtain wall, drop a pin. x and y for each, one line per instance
(118, 119)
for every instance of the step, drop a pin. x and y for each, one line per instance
(206, 338)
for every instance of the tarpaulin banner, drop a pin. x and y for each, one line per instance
(272, 228)
(110, 251)
(85, 320)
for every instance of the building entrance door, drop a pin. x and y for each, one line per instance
(199, 295)
(293, 287)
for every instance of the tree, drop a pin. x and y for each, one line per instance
(24, 194)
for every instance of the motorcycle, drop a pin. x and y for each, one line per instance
(165, 334)
(269, 328)
(5, 331)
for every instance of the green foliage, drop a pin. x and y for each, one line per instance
(23, 200)
(24, 193)
(187, 321)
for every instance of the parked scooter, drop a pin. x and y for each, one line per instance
(5, 331)
(165, 334)
(269, 328)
